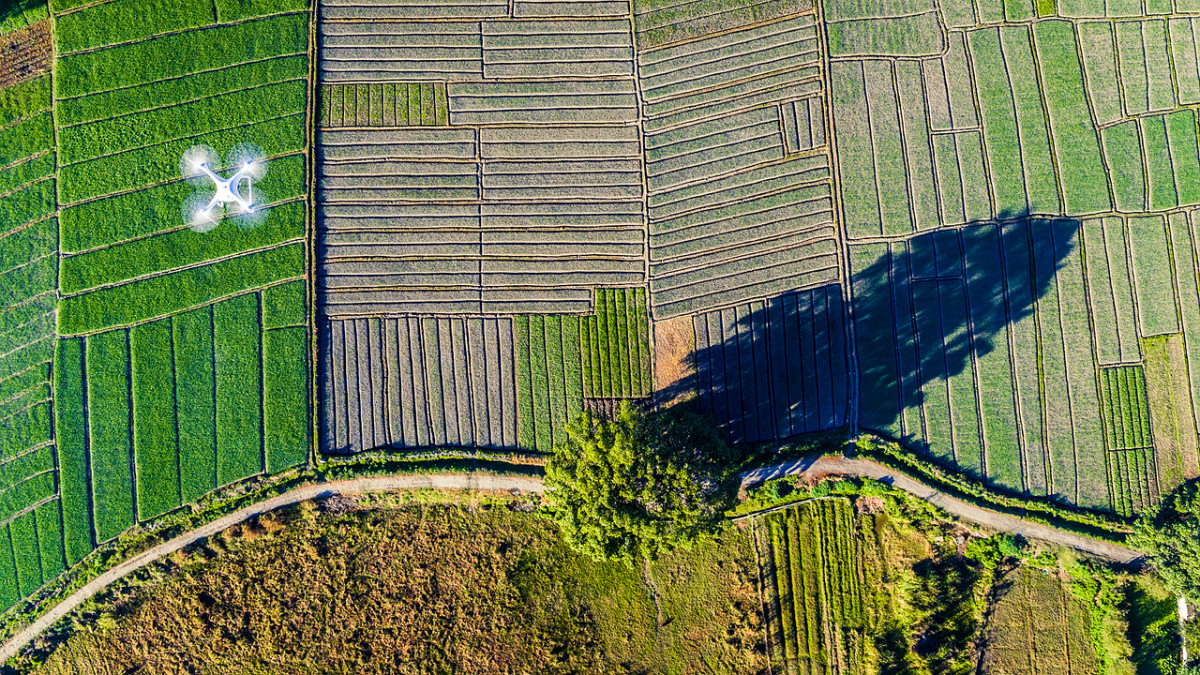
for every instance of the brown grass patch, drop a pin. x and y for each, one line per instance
(674, 362)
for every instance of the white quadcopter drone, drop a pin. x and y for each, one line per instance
(218, 197)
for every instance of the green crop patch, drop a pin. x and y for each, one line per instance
(549, 378)
(178, 248)
(179, 55)
(122, 21)
(616, 345)
(390, 104)
(178, 291)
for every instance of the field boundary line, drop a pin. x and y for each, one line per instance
(25, 160)
(165, 141)
(160, 233)
(183, 102)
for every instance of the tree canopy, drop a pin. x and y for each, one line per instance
(640, 485)
(1169, 534)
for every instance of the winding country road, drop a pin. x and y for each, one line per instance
(833, 465)
(956, 507)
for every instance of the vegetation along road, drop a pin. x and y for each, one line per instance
(998, 521)
(820, 465)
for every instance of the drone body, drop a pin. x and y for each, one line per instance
(218, 197)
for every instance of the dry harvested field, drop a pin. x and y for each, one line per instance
(970, 226)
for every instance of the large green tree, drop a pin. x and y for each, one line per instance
(1169, 534)
(641, 484)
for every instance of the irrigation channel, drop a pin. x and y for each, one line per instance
(820, 465)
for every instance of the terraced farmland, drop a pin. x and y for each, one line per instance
(968, 226)
(1053, 160)
(31, 540)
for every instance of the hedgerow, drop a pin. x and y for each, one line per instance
(1089, 523)
(178, 291)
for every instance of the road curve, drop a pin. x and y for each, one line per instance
(964, 510)
(835, 465)
(377, 484)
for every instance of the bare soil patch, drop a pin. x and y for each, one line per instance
(25, 53)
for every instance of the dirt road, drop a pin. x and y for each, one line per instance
(969, 512)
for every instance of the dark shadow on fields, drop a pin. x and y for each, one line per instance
(922, 307)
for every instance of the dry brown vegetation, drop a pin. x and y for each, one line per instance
(424, 589)
(25, 53)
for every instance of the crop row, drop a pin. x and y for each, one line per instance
(615, 344)
(1145, 64)
(388, 104)
(418, 382)
(28, 280)
(1140, 184)
(204, 84)
(724, 59)
(411, 9)
(818, 567)
(451, 300)
(918, 34)
(536, 102)
(879, 131)
(663, 22)
(106, 137)
(151, 165)
(803, 124)
(1126, 410)
(1110, 288)
(177, 248)
(156, 212)
(171, 410)
(31, 552)
(549, 378)
(1133, 480)
(178, 291)
(768, 371)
